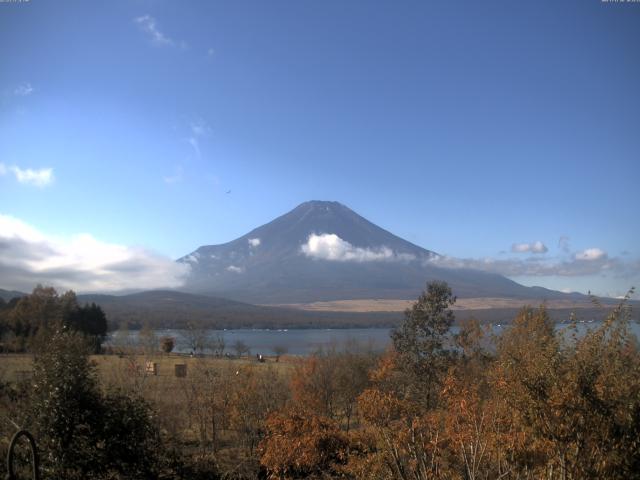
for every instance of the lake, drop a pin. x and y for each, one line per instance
(307, 341)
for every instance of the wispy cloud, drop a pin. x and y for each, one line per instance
(149, 26)
(28, 176)
(329, 246)
(197, 129)
(234, 269)
(23, 90)
(534, 247)
(175, 178)
(193, 141)
(81, 262)
(193, 258)
(592, 261)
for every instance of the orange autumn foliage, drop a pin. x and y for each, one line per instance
(300, 445)
(533, 402)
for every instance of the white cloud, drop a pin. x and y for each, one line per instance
(12, 228)
(329, 246)
(539, 247)
(520, 247)
(149, 25)
(80, 262)
(28, 176)
(234, 269)
(535, 247)
(591, 254)
(39, 178)
(23, 90)
(254, 242)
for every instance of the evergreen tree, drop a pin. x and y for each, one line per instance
(420, 339)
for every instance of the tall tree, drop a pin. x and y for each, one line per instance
(420, 340)
(90, 320)
(65, 403)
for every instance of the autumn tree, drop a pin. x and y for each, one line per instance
(476, 423)
(196, 337)
(404, 439)
(577, 399)
(475, 431)
(302, 445)
(329, 382)
(148, 340)
(256, 393)
(218, 345)
(313, 385)
(167, 344)
(472, 339)
(35, 316)
(208, 392)
(241, 348)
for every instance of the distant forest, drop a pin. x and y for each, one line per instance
(28, 322)
(160, 309)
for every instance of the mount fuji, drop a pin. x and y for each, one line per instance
(324, 251)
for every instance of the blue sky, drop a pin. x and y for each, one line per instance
(467, 128)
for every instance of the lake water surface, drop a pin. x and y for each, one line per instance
(307, 341)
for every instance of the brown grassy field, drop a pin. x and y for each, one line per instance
(114, 369)
(232, 394)
(389, 305)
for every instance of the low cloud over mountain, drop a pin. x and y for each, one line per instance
(591, 261)
(329, 246)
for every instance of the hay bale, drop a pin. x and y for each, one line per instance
(180, 369)
(151, 368)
